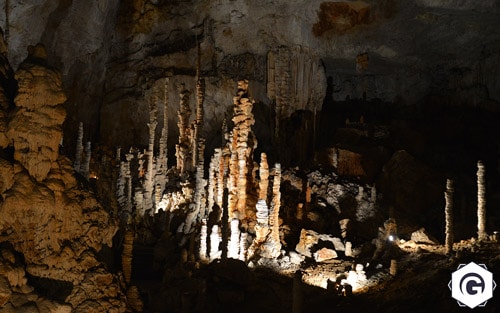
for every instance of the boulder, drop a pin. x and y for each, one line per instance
(421, 236)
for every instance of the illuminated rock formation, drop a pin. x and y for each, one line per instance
(35, 127)
(233, 247)
(203, 241)
(151, 171)
(242, 145)
(215, 239)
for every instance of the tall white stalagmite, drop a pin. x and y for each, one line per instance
(213, 179)
(481, 202)
(273, 243)
(233, 246)
(448, 211)
(79, 149)
(203, 240)
(243, 246)
(215, 239)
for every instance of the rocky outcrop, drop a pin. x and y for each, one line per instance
(35, 127)
(47, 217)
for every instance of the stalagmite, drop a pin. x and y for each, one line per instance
(203, 241)
(163, 145)
(264, 177)
(213, 179)
(243, 246)
(449, 216)
(198, 123)
(215, 239)
(150, 171)
(243, 143)
(85, 167)
(481, 202)
(79, 149)
(183, 147)
(201, 182)
(274, 213)
(234, 240)
(128, 245)
(393, 270)
(134, 299)
(300, 212)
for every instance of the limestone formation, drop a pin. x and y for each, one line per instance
(128, 246)
(150, 171)
(243, 143)
(295, 80)
(85, 167)
(264, 177)
(215, 239)
(233, 248)
(203, 241)
(183, 149)
(481, 202)
(35, 127)
(449, 216)
(79, 148)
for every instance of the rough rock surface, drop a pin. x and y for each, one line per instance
(35, 127)
(55, 226)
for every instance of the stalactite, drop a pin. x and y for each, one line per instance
(79, 149)
(118, 154)
(295, 80)
(232, 184)
(481, 202)
(128, 246)
(203, 240)
(233, 245)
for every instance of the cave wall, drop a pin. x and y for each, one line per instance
(112, 53)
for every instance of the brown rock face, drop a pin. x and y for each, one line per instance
(35, 127)
(341, 16)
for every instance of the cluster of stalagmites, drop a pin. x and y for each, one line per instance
(56, 227)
